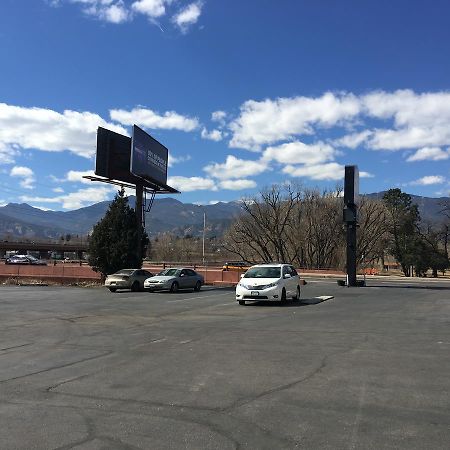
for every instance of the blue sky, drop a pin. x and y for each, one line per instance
(243, 93)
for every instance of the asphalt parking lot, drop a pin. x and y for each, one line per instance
(88, 369)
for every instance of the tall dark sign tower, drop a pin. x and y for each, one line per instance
(351, 193)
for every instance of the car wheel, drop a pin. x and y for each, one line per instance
(198, 286)
(242, 302)
(112, 289)
(283, 296)
(174, 287)
(296, 297)
(135, 286)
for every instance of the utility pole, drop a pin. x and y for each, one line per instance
(204, 231)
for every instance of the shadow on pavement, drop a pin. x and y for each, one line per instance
(288, 304)
(408, 286)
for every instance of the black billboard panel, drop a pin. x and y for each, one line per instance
(113, 156)
(148, 157)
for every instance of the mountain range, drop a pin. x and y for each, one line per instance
(167, 215)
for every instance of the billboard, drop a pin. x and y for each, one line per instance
(114, 160)
(113, 156)
(148, 157)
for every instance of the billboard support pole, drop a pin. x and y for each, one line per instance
(351, 193)
(139, 215)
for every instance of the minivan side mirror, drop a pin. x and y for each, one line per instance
(242, 276)
(287, 275)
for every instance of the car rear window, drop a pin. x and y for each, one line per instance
(124, 272)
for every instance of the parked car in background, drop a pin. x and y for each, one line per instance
(275, 282)
(127, 279)
(236, 266)
(25, 259)
(175, 278)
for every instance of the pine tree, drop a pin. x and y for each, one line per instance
(403, 227)
(113, 244)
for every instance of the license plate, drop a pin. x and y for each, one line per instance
(255, 293)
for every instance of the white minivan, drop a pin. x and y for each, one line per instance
(275, 282)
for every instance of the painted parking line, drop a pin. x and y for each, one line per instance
(323, 298)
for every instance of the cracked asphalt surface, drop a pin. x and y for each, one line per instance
(86, 369)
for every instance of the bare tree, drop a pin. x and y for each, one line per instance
(264, 231)
(303, 227)
(372, 238)
(321, 232)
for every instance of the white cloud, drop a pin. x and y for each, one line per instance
(188, 16)
(147, 118)
(412, 120)
(116, 13)
(429, 153)
(58, 190)
(406, 138)
(329, 171)
(74, 176)
(408, 108)
(420, 120)
(189, 184)
(237, 185)
(236, 168)
(366, 175)
(219, 117)
(213, 135)
(299, 153)
(7, 153)
(121, 11)
(75, 200)
(77, 176)
(26, 174)
(429, 180)
(270, 121)
(177, 159)
(353, 140)
(113, 11)
(151, 8)
(48, 130)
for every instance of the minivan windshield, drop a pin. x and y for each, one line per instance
(170, 273)
(263, 272)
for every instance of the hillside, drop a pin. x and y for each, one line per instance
(167, 215)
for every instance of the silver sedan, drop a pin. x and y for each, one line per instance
(173, 279)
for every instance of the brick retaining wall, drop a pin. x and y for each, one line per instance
(71, 273)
